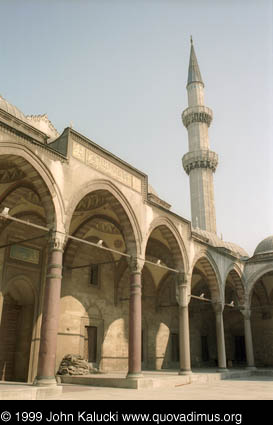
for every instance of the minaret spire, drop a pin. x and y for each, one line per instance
(194, 74)
(200, 162)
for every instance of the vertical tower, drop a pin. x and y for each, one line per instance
(200, 162)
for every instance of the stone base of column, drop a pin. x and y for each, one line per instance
(134, 375)
(222, 369)
(251, 368)
(185, 372)
(41, 381)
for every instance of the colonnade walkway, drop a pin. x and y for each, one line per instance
(202, 384)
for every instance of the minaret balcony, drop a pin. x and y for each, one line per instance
(200, 159)
(194, 114)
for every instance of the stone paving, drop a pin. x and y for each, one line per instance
(249, 388)
(258, 386)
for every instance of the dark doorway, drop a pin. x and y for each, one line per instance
(205, 348)
(175, 347)
(8, 338)
(91, 343)
(240, 349)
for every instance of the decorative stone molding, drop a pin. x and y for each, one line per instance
(43, 124)
(156, 200)
(57, 241)
(218, 307)
(194, 114)
(200, 159)
(182, 296)
(135, 264)
(246, 312)
(91, 201)
(12, 174)
(181, 278)
(110, 167)
(29, 142)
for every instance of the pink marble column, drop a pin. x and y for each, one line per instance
(50, 319)
(220, 334)
(134, 360)
(184, 332)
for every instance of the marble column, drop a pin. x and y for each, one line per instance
(184, 333)
(1, 306)
(248, 339)
(220, 335)
(135, 319)
(50, 319)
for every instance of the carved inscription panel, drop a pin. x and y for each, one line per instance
(24, 253)
(99, 163)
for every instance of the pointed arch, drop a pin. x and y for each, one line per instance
(174, 239)
(209, 268)
(255, 277)
(42, 180)
(238, 281)
(128, 219)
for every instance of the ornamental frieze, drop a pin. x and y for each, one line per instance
(91, 202)
(105, 227)
(98, 162)
(200, 159)
(11, 175)
(200, 164)
(200, 114)
(32, 197)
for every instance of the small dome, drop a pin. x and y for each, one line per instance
(11, 109)
(40, 122)
(265, 246)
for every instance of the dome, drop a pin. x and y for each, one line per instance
(12, 110)
(40, 122)
(214, 240)
(265, 246)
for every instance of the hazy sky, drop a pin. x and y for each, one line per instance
(118, 69)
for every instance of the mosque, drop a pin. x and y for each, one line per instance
(94, 263)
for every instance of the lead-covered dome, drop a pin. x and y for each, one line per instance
(265, 247)
(12, 110)
(40, 122)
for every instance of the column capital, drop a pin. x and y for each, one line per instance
(135, 264)
(181, 278)
(182, 297)
(218, 306)
(57, 240)
(246, 312)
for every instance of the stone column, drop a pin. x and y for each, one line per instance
(220, 334)
(50, 319)
(184, 333)
(1, 306)
(248, 339)
(134, 351)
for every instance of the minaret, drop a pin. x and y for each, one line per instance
(200, 162)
